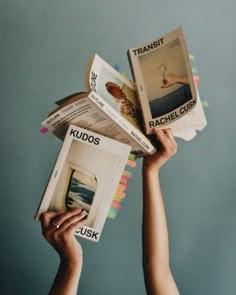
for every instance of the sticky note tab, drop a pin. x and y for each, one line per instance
(43, 130)
(122, 187)
(191, 56)
(125, 179)
(120, 193)
(196, 80)
(127, 173)
(194, 71)
(116, 205)
(131, 163)
(51, 137)
(118, 198)
(112, 213)
(131, 157)
(205, 104)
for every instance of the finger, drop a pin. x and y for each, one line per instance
(167, 141)
(66, 215)
(170, 135)
(46, 217)
(75, 219)
(75, 226)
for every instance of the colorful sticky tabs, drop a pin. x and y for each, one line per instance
(43, 130)
(123, 74)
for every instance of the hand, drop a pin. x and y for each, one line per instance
(167, 150)
(168, 80)
(62, 237)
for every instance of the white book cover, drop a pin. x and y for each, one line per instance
(164, 82)
(86, 175)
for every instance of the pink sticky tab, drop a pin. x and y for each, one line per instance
(196, 80)
(124, 179)
(44, 130)
(116, 205)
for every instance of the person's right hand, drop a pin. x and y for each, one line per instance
(168, 80)
(59, 227)
(167, 150)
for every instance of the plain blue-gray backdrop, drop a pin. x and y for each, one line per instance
(45, 46)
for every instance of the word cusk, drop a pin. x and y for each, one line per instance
(88, 233)
(84, 136)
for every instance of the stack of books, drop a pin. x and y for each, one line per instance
(105, 128)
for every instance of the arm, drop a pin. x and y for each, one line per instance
(157, 274)
(63, 240)
(171, 79)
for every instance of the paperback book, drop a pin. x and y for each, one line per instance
(165, 85)
(86, 174)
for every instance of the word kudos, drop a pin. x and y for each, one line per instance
(88, 233)
(84, 136)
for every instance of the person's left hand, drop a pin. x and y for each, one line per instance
(59, 227)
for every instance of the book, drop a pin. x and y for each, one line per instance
(167, 94)
(109, 107)
(86, 174)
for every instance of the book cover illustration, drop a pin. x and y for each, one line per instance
(114, 88)
(86, 175)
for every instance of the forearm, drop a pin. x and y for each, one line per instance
(67, 278)
(154, 233)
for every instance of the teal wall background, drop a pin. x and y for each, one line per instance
(45, 46)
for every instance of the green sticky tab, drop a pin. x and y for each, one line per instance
(191, 56)
(131, 156)
(51, 137)
(194, 71)
(205, 104)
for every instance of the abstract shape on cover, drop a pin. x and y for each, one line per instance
(126, 106)
(81, 190)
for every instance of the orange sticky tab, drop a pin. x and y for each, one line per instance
(196, 80)
(131, 163)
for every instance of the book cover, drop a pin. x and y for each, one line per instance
(86, 175)
(164, 80)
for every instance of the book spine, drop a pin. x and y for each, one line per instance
(137, 135)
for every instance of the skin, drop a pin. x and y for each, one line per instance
(157, 274)
(64, 242)
(170, 79)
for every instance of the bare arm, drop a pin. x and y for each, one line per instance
(68, 248)
(157, 274)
